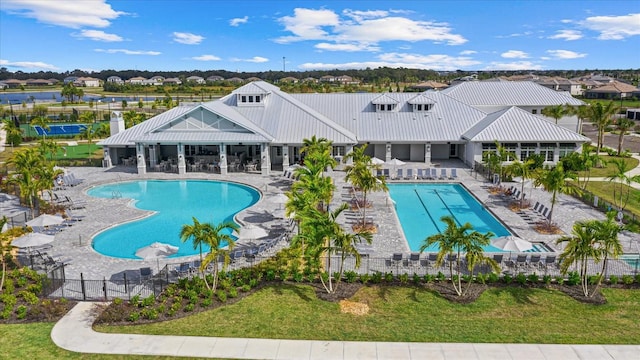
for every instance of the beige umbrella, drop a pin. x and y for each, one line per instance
(32, 240)
(511, 243)
(46, 220)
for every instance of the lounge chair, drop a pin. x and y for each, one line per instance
(549, 260)
(385, 172)
(443, 173)
(184, 270)
(409, 175)
(536, 206)
(434, 173)
(379, 173)
(419, 174)
(534, 261)
(396, 259)
(521, 261)
(400, 174)
(498, 258)
(454, 174)
(414, 259)
(432, 258)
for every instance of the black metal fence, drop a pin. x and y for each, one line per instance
(132, 283)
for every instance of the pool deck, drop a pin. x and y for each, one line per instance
(74, 244)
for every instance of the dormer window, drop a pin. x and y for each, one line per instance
(385, 107)
(422, 107)
(421, 102)
(245, 99)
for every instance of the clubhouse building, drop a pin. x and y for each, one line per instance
(260, 128)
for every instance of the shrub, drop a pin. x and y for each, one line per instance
(533, 278)
(135, 300)
(613, 279)
(546, 279)
(388, 277)
(593, 279)
(440, 276)
(247, 288)
(493, 278)
(21, 312)
(206, 302)
(350, 276)
(416, 279)
(574, 278)
(134, 316)
(508, 279)
(404, 278)
(9, 287)
(221, 295)
(638, 278)
(148, 301)
(148, 313)
(233, 292)
(428, 278)
(376, 278)
(189, 307)
(482, 278)
(521, 278)
(270, 275)
(297, 277)
(365, 278)
(627, 279)
(28, 297)
(117, 301)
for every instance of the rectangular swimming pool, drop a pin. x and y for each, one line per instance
(420, 207)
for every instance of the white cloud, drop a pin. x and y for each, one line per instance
(206, 58)
(128, 52)
(346, 47)
(31, 65)
(401, 60)
(614, 27)
(526, 33)
(187, 38)
(515, 54)
(98, 35)
(518, 65)
(238, 21)
(368, 27)
(565, 54)
(255, 59)
(468, 52)
(68, 13)
(568, 35)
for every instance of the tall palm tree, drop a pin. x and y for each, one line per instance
(360, 174)
(621, 182)
(14, 134)
(27, 163)
(601, 116)
(555, 111)
(87, 134)
(523, 170)
(49, 147)
(457, 240)
(579, 248)
(215, 236)
(195, 233)
(608, 242)
(40, 121)
(581, 112)
(554, 180)
(623, 125)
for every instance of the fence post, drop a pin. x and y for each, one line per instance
(126, 287)
(84, 293)
(104, 287)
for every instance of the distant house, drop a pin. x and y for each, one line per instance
(3, 85)
(288, 79)
(138, 80)
(14, 83)
(172, 81)
(87, 82)
(115, 80)
(428, 85)
(347, 80)
(253, 78)
(195, 80)
(235, 80)
(472, 77)
(38, 82)
(310, 80)
(153, 81)
(215, 78)
(612, 90)
(69, 80)
(561, 84)
(328, 78)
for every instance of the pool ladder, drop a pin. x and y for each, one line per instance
(115, 194)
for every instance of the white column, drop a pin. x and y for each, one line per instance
(153, 156)
(427, 153)
(142, 165)
(107, 158)
(285, 156)
(387, 154)
(265, 159)
(182, 165)
(223, 159)
(347, 150)
(519, 151)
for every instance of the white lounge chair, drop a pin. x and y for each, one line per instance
(454, 174)
(443, 173)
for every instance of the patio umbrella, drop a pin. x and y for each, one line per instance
(156, 250)
(251, 232)
(376, 161)
(280, 199)
(46, 220)
(511, 243)
(32, 240)
(395, 162)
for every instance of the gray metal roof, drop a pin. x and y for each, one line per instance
(508, 93)
(517, 125)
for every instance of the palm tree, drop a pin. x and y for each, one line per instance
(555, 111)
(5, 251)
(601, 116)
(49, 146)
(494, 160)
(318, 150)
(523, 170)
(608, 243)
(459, 239)
(87, 134)
(360, 174)
(580, 247)
(14, 134)
(40, 121)
(621, 182)
(215, 236)
(27, 163)
(195, 233)
(623, 125)
(581, 112)
(554, 180)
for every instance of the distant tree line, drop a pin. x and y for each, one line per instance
(380, 76)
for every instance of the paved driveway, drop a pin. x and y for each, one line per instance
(631, 142)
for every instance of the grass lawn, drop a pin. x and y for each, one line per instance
(502, 315)
(609, 169)
(80, 151)
(604, 190)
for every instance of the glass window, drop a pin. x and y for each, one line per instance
(257, 98)
(338, 150)
(526, 150)
(534, 111)
(243, 99)
(278, 151)
(547, 149)
(511, 149)
(566, 149)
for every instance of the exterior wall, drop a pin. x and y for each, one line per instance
(416, 152)
(400, 151)
(440, 151)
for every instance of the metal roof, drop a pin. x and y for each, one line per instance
(517, 125)
(508, 93)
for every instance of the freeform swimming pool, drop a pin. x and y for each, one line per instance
(420, 207)
(175, 203)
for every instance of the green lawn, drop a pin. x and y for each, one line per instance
(502, 315)
(609, 168)
(604, 190)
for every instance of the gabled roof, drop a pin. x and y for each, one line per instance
(616, 87)
(421, 99)
(508, 93)
(514, 124)
(384, 99)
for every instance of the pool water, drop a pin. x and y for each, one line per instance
(175, 203)
(420, 207)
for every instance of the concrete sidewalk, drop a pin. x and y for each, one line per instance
(74, 333)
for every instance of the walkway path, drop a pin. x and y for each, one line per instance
(74, 333)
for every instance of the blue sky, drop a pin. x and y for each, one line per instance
(164, 35)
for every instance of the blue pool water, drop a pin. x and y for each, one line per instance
(175, 203)
(420, 207)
